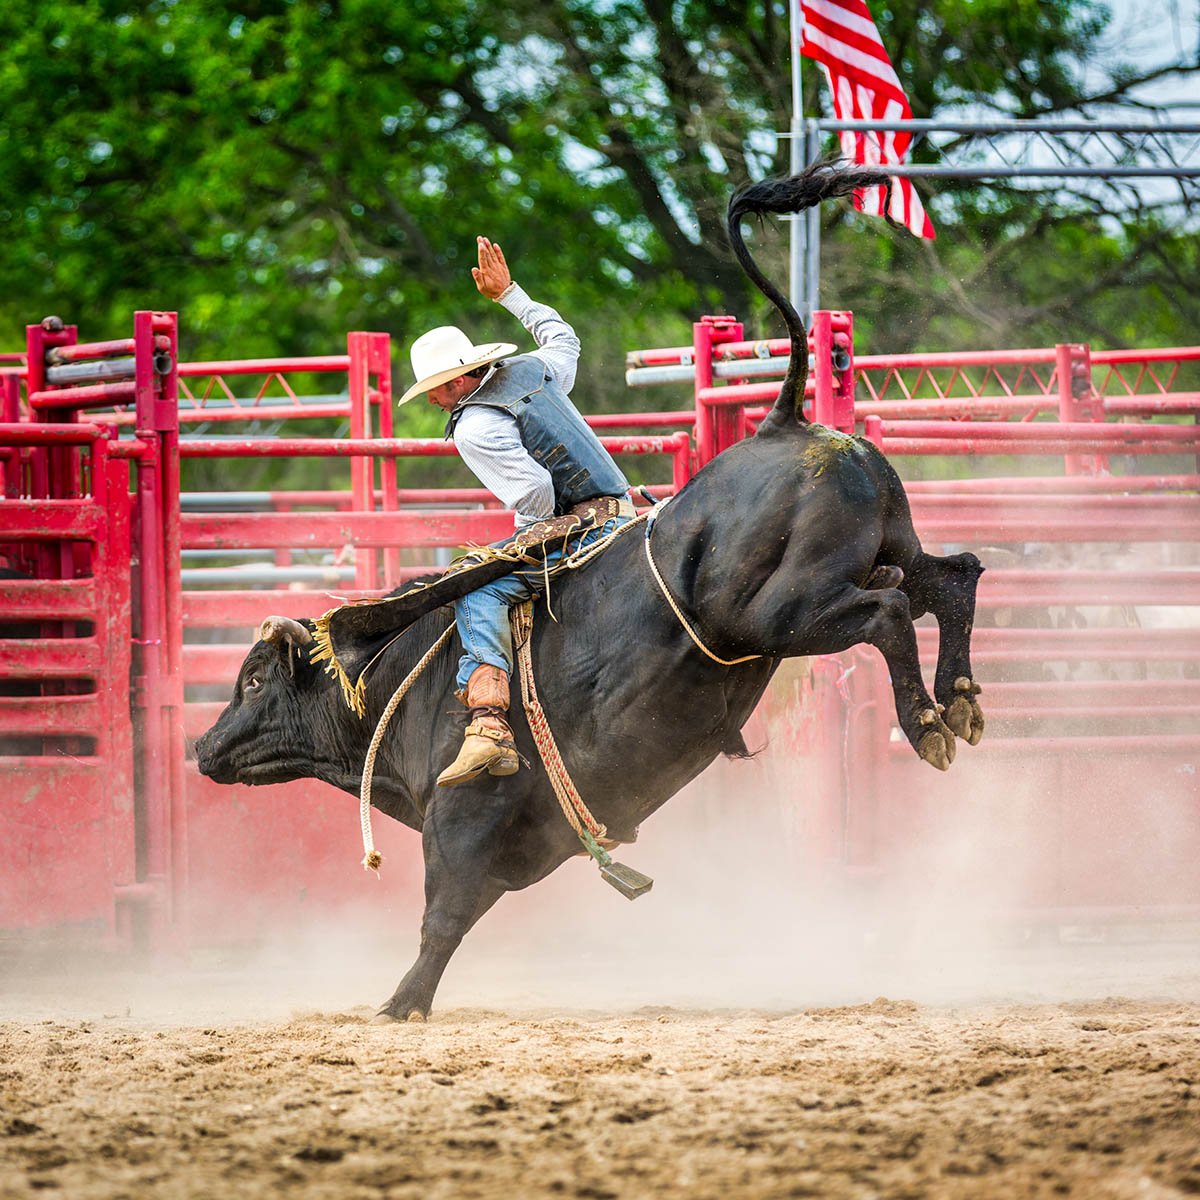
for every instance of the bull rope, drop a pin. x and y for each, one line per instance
(666, 591)
(371, 857)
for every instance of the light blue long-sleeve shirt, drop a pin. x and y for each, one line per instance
(488, 440)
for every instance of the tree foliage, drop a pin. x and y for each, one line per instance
(281, 171)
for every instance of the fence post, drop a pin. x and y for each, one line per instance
(717, 427)
(375, 351)
(843, 368)
(362, 468)
(824, 410)
(159, 635)
(1078, 401)
(10, 413)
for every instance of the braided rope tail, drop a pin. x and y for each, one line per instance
(630, 883)
(371, 857)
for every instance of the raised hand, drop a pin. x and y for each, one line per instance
(492, 275)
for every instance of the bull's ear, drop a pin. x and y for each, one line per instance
(284, 629)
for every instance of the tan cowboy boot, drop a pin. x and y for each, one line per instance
(488, 741)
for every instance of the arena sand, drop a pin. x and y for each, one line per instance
(886, 1099)
(724, 1036)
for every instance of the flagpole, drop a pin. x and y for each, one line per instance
(796, 273)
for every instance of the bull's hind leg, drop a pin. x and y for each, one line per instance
(881, 617)
(460, 839)
(946, 588)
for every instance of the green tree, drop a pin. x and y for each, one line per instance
(281, 171)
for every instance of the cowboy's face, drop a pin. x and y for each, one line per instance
(447, 395)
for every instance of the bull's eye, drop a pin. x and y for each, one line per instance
(252, 684)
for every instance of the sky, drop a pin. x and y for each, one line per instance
(1152, 32)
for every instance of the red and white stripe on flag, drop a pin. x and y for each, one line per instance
(841, 36)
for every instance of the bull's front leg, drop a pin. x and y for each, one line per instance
(946, 588)
(460, 839)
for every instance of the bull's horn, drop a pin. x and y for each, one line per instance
(284, 629)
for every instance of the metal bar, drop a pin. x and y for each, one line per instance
(301, 411)
(235, 447)
(300, 531)
(1058, 644)
(213, 664)
(217, 609)
(266, 575)
(47, 599)
(956, 358)
(1155, 354)
(962, 408)
(812, 232)
(100, 394)
(1168, 404)
(1013, 431)
(341, 500)
(267, 366)
(1087, 506)
(796, 289)
(239, 447)
(985, 128)
(52, 520)
(1056, 484)
(49, 715)
(1092, 712)
(90, 372)
(1038, 588)
(746, 393)
(81, 350)
(49, 658)
(45, 433)
(899, 445)
(648, 420)
(132, 448)
(1063, 171)
(964, 533)
(1067, 692)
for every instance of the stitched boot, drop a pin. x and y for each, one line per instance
(488, 740)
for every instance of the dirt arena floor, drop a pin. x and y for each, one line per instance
(724, 1037)
(884, 1099)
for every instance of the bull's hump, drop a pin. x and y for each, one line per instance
(832, 455)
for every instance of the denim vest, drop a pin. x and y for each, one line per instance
(551, 429)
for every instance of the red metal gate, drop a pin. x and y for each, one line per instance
(193, 862)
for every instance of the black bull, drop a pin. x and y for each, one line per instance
(798, 541)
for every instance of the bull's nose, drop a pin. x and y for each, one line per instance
(205, 745)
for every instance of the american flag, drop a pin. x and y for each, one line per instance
(841, 36)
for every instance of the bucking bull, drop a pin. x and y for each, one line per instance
(797, 541)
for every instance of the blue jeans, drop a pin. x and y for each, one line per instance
(483, 614)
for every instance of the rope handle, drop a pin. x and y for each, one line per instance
(371, 857)
(666, 591)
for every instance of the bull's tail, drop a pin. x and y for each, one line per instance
(822, 181)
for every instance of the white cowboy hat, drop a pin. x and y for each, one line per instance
(446, 353)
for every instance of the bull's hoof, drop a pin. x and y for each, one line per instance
(936, 745)
(965, 716)
(383, 1017)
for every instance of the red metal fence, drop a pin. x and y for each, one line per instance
(172, 855)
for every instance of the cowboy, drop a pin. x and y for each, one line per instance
(515, 427)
